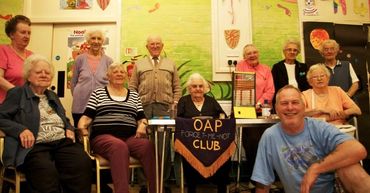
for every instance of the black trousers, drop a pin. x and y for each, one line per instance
(58, 166)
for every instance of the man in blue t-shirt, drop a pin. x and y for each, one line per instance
(306, 153)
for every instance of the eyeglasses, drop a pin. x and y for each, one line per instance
(291, 50)
(321, 76)
(329, 49)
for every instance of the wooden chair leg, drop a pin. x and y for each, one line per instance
(17, 182)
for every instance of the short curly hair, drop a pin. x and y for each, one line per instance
(197, 76)
(11, 24)
(30, 63)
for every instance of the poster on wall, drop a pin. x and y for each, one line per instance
(76, 4)
(77, 45)
(314, 33)
(310, 8)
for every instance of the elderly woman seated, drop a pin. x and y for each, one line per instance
(328, 102)
(118, 129)
(196, 104)
(40, 140)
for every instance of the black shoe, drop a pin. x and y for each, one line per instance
(143, 189)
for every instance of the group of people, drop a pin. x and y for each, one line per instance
(41, 142)
(327, 87)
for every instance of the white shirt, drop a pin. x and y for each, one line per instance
(290, 69)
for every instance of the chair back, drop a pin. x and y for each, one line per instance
(349, 129)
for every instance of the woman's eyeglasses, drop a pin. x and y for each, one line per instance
(291, 50)
(318, 77)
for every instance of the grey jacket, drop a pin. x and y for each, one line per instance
(20, 111)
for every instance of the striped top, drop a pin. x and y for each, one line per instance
(118, 118)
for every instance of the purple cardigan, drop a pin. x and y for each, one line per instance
(84, 81)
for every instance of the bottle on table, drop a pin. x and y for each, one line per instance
(266, 109)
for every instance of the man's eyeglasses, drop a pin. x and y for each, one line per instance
(332, 49)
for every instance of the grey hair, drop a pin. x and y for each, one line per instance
(316, 67)
(247, 46)
(326, 42)
(89, 33)
(197, 76)
(153, 37)
(292, 41)
(114, 66)
(30, 62)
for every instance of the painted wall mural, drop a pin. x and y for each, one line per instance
(7, 10)
(186, 31)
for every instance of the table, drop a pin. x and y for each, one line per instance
(161, 125)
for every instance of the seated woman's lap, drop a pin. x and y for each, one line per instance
(106, 145)
(58, 160)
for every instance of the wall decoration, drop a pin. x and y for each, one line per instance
(310, 8)
(6, 17)
(232, 37)
(313, 34)
(342, 4)
(156, 6)
(286, 10)
(360, 8)
(75, 4)
(232, 12)
(7, 10)
(103, 4)
(317, 36)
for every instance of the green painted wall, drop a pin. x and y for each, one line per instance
(273, 22)
(185, 26)
(7, 7)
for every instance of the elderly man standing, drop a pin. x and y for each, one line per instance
(307, 153)
(156, 80)
(342, 72)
